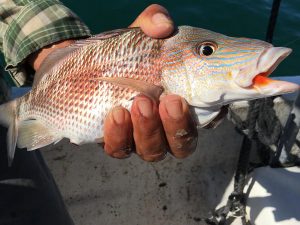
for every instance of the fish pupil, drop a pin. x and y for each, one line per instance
(207, 50)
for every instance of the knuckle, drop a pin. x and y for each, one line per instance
(117, 152)
(156, 7)
(183, 143)
(154, 157)
(185, 136)
(151, 133)
(152, 143)
(120, 155)
(152, 151)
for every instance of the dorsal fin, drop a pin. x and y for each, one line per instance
(60, 54)
(102, 36)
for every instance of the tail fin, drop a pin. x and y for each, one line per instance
(9, 119)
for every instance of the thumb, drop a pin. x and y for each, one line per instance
(155, 22)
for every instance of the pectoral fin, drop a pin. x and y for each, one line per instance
(148, 89)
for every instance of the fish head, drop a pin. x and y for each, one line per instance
(211, 70)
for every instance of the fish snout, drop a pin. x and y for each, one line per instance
(263, 65)
(255, 74)
(270, 58)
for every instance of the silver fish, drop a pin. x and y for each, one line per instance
(77, 86)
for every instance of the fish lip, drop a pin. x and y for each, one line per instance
(269, 59)
(264, 65)
(267, 63)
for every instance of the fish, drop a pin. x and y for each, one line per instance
(77, 86)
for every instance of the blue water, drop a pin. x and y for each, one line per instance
(247, 18)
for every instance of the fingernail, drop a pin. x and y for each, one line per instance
(174, 108)
(118, 115)
(145, 107)
(160, 18)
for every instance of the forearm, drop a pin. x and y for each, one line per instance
(36, 59)
(26, 27)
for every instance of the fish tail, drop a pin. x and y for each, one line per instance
(9, 119)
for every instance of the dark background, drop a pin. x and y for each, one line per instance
(247, 18)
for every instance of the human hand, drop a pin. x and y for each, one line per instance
(151, 129)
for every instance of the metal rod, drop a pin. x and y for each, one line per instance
(272, 20)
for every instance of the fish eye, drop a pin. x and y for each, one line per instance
(206, 48)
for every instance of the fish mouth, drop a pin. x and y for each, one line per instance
(255, 75)
(270, 58)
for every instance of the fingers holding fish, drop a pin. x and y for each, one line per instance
(178, 124)
(118, 133)
(151, 125)
(82, 82)
(147, 129)
(155, 21)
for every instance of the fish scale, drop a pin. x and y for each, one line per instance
(72, 101)
(77, 86)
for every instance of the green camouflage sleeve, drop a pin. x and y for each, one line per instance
(28, 25)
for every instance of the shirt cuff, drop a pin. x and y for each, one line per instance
(38, 24)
